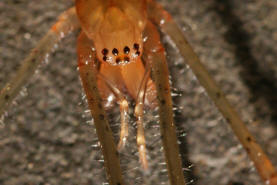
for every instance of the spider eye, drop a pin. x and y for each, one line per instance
(105, 51)
(115, 52)
(126, 50)
(136, 46)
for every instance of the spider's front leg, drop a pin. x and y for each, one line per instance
(107, 85)
(139, 115)
(154, 54)
(66, 24)
(88, 73)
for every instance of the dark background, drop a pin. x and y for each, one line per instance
(46, 138)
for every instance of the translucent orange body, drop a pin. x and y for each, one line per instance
(115, 29)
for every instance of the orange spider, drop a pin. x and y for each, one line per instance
(118, 48)
(112, 40)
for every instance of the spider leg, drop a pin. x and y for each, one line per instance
(139, 116)
(124, 123)
(154, 55)
(66, 23)
(123, 111)
(88, 71)
(263, 165)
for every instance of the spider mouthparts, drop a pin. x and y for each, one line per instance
(122, 60)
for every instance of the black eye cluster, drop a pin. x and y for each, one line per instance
(105, 51)
(115, 52)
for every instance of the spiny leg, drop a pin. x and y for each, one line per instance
(154, 54)
(139, 116)
(165, 22)
(123, 111)
(66, 23)
(88, 73)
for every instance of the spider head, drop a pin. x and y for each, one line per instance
(119, 40)
(115, 28)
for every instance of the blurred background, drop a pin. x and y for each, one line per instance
(48, 138)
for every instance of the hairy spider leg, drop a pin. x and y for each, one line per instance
(154, 53)
(66, 23)
(167, 25)
(88, 73)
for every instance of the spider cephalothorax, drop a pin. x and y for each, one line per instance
(116, 30)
